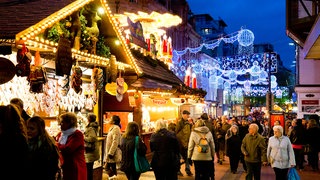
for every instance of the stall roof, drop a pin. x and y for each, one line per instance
(16, 16)
(25, 19)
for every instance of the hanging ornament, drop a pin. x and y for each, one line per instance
(197, 68)
(76, 81)
(232, 75)
(263, 75)
(187, 77)
(194, 80)
(245, 37)
(120, 88)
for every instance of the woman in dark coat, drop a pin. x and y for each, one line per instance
(165, 147)
(312, 137)
(43, 152)
(234, 148)
(13, 143)
(127, 146)
(297, 138)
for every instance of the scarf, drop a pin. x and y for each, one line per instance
(65, 134)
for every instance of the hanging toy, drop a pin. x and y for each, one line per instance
(76, 81)
(24, 58)
(120, 88)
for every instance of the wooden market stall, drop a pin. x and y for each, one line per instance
(120, 54)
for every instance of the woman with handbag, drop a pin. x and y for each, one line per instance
(112, 157)
(90, 141)
(280, 153)
(127, 147)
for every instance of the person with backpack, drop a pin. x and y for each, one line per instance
(201, 151)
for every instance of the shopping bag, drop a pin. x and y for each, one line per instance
(141, 163)
(293, 174)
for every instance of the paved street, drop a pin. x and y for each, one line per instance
(222, 172)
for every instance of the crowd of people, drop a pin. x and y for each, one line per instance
(71, 154)
(250, 140)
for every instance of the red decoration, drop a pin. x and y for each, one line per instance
(187, 80)
(148, 43)
(194, 82)
(164, 46)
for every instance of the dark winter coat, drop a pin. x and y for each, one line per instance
(183, 132)
(312, 138)
(234, 146)
(297, 135)
(165, 148)
(127, 146)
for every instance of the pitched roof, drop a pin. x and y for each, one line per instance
(155, 69)
(18, 15)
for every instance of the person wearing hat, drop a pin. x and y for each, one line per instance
(183, 131)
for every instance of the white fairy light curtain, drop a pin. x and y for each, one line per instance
(231, 71)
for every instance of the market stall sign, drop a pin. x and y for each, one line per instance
(7, 70)
(159, 101)
(111, 88)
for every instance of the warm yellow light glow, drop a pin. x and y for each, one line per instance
(117, 42)
(100, 10)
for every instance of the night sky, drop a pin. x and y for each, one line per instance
(266, 19)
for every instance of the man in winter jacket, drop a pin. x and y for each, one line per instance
(255, 151)
(183, 131)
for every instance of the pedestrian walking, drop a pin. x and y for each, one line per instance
(111, 157)
(43, 155)
(280, 153)
(13, 143)
(71, 145)
(91, 144)
(183, 131)
(201, 151)
(165, 149)
(234, 148)
(255, 152)
(127, 146)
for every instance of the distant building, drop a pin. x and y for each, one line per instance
(303, 26)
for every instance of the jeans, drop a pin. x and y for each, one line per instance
(184, 154)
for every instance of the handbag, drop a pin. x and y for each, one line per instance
(141, 163)
(293, 174)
